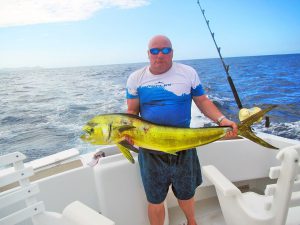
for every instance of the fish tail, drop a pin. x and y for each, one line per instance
(244, 128)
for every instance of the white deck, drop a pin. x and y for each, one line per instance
(208, 212)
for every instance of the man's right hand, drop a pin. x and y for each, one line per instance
(129, 139)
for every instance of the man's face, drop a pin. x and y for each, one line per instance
(160, 62)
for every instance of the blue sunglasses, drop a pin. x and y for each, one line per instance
(165, 51)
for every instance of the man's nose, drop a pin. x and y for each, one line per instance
(160, 54)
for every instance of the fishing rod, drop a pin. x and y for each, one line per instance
(226, 67)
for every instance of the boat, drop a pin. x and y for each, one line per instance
(111, 186)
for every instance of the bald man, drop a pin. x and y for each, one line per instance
(162, 93)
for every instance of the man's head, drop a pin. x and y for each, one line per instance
(160, 54)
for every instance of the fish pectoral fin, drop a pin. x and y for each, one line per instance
(124, 128)
(127, 145)
(125, 151)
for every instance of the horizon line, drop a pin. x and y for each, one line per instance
(111, 64)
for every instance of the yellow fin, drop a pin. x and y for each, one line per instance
(251, 136)
(126, 153)
(127, 145)
(172, 152)
(244, 128)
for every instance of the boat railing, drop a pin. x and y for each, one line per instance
(49, 165)
(33, 210)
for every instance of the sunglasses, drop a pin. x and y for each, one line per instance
(165, 51)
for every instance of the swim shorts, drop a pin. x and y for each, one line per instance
(159, 171)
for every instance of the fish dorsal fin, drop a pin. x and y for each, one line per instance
(125, 151)
(124, 128)
(127, 145)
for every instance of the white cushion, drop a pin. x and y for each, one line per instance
(80, 214)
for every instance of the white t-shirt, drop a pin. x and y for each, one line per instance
(165, 98)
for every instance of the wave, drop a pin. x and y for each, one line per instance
(42, 111)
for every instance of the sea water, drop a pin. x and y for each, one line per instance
(42, 111)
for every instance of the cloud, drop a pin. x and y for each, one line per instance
(25, 12)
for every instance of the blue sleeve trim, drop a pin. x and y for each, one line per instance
(198, 91)
(130, 96)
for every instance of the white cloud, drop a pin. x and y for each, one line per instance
(25, 12)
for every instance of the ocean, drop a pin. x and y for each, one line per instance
(43, 110)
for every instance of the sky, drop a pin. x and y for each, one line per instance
(67, 33)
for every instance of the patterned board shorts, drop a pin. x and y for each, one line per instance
(160, 170)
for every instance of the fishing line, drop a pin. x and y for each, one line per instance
(226, 67)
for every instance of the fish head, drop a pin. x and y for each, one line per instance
(97, 134)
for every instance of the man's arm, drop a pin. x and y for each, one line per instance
(133, 106)
(209, 109)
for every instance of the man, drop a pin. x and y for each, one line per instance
(162, 93)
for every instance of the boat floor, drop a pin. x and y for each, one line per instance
(208, 212)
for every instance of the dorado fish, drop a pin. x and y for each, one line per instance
(110, 129)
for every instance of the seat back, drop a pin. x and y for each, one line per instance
(120, 191)
(286, 192)
(24, 194)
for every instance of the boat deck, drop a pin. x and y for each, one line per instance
(111, 183)
(208, 212)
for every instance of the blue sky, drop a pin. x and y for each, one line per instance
(61, 33)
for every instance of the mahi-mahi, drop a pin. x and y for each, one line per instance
(110, 129)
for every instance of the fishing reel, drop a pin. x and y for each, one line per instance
(245, 113)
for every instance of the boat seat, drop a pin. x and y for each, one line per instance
(19, 205)
(120, 191)
(278, 206)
